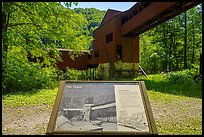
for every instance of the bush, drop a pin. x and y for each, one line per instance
(73, 74)
(21, 75)
(177, 83)
(181, 77)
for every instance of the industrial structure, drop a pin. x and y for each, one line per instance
(116, 40)
(90, 117)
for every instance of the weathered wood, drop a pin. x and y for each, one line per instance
(141, 70)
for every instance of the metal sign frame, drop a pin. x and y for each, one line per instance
(145, 100)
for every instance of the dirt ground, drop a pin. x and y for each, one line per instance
(25, 120)
(34, 120)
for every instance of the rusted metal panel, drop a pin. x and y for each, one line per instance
(148, 13)
(130, 47)
(134, 10)
(79, 63)
(109, 14)
(177, 9)
(130, 50)
(117, 36)
(127, 44)
(101, 44)
(151, 16)
(135, 55)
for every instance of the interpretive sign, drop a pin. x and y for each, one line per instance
(101, 107)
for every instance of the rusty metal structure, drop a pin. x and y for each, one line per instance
(79, 63)
(117, 38)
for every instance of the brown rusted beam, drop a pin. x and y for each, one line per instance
(141, 5)
(148, 13)
(135, 26)
(163, 17)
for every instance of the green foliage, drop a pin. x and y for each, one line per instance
(38, 28)
(47, 19)
(163, 48)
(93, 16)
(69, 4)
(73, 74)
(30, 98)
(182, 77)
(170, 95)
(28, 22)
(21, 75)
(177, 83)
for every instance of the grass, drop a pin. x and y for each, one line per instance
(171, 83)
(177, 115)
(30, 98)
(176, 101)
(177, 106)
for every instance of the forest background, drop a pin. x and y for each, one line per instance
(169, 54)
(35, 27)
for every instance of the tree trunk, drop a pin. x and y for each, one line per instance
(176, 67)
(5, 19)
(185, 41)
(165, 46)
(193, 35)
(170, 64)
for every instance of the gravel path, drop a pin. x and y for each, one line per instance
(25, 120)
(179, 116)
(34, 120)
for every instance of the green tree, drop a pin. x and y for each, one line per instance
(93, 16)
(24, 25)
(47, 19)
(174, 45)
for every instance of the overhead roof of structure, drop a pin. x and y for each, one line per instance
(109, 14)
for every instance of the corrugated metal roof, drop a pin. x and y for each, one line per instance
(109, 14)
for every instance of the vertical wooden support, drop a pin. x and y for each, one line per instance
(135, 50)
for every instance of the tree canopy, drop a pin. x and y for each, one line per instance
(38, 28)
(174, 45)
(37, 20)
(93, 16)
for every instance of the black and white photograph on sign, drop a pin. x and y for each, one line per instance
(87, 107)
(101, 107)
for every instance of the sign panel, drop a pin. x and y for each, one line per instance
(130, 109)
(101, 107)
